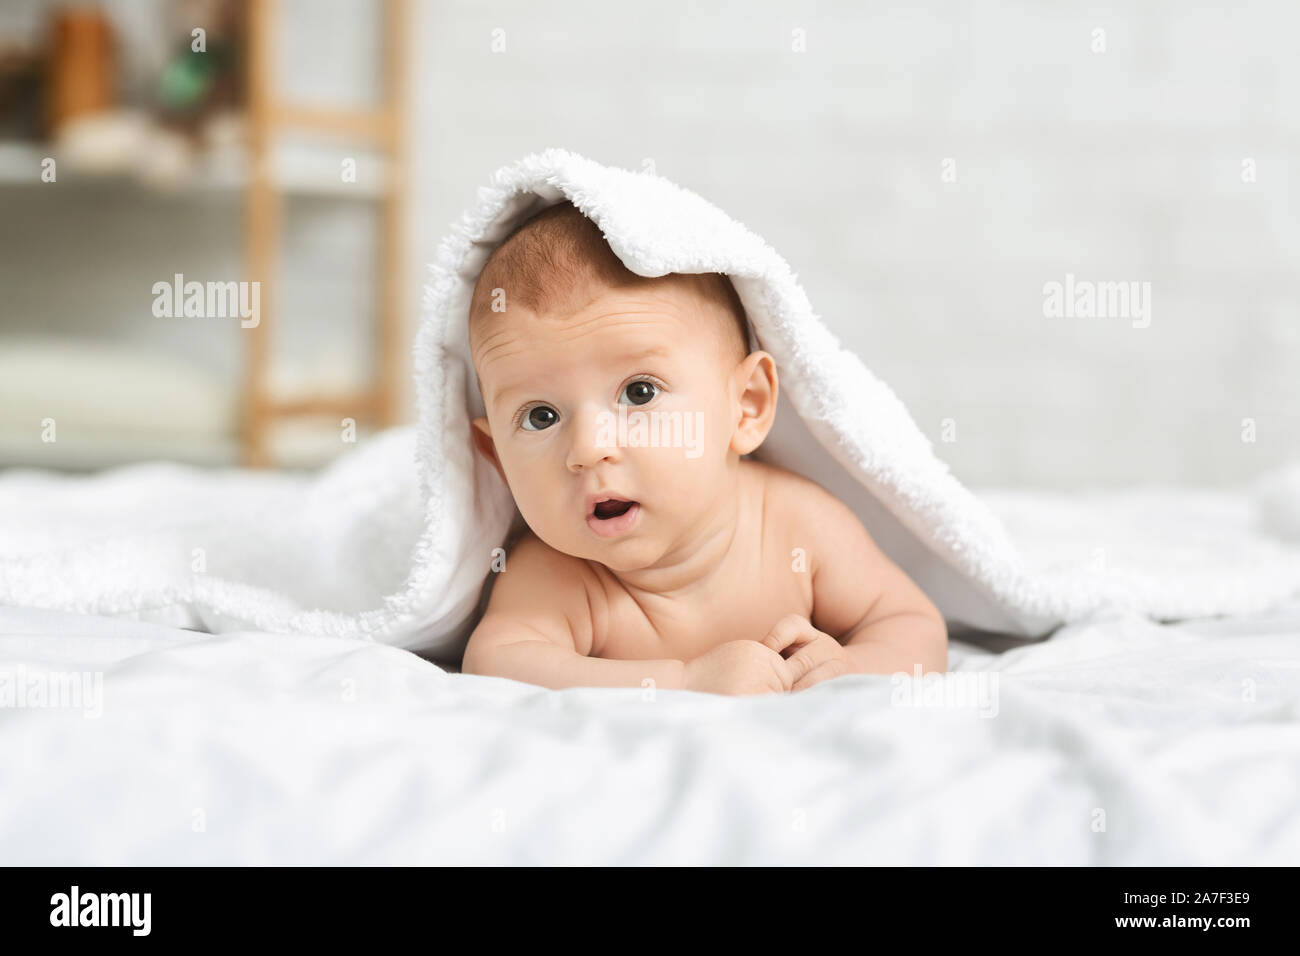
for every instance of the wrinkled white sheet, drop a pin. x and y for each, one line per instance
(257, 748)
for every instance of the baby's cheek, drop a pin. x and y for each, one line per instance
(529, 498)
(540, 510)
(548, 523)
(688, 475)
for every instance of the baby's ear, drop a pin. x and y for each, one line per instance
(482, 436)
(755, 377)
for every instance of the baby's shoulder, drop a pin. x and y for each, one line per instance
(536, 562)
(799, 512)
(538, 583)
(785, 490)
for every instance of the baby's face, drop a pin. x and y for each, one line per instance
(633, 396)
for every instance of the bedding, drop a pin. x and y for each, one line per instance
(1119, 741)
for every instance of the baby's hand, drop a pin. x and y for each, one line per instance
(814, 655)
(742, 668)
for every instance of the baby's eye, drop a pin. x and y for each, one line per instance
(640, 392)
(539, 417)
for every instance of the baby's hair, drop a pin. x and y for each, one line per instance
(557, 252)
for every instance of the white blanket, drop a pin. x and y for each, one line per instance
(1116, 742)
(395, 542)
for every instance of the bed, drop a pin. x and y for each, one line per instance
(1116, 741)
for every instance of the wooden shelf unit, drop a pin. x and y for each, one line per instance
(386, 128)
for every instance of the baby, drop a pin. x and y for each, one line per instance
(620, 410)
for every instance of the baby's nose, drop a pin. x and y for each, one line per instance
(593, 438)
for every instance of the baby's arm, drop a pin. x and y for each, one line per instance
(538, 629)
(885, 622)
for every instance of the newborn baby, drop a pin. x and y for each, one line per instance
(619, 410)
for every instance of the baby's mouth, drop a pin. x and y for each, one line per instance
(611, 508)
(612, 517)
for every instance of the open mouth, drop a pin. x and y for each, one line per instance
(612, 508)
(612, 517)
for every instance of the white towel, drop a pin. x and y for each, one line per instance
(397, 548)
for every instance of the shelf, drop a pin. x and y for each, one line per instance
(295, 169)
(259, 154)
(111, 404)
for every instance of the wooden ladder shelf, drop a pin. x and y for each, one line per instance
(384, 128)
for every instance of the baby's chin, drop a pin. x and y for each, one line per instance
(634, 552)
(624, 559)
(623, 554)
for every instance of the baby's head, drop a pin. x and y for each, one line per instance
(599, 383)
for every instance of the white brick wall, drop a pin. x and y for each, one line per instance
(1123, 165)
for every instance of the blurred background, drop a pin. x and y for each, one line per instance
(926, 168)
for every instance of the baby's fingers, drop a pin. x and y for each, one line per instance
(791, 671)
(816, 652)
(791, 629)
(823, 671)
